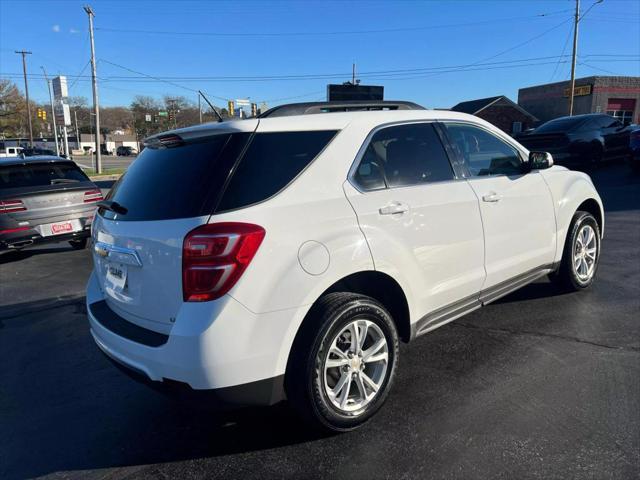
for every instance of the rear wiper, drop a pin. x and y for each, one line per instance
(112, 206)
(63, 180)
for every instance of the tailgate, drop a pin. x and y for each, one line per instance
(139, 268)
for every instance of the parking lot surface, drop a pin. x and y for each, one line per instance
(536, 385)
(109, 162)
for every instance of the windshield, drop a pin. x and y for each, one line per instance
(40, 174)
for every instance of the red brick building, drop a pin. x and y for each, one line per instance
(508, 116)
(616, 96)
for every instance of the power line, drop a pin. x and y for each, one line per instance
(332, 76)
(329, 33)
(564, 48)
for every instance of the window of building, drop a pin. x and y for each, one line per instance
(516, 127)
(625, 116)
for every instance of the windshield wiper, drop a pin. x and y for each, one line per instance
(112, 206)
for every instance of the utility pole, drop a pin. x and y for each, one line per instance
(53, 111)
(94, 81)
(573, 60)
(199, 107)
(353, 74)
(26, 91)
(75, 117)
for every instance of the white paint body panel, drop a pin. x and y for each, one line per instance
(435, 252)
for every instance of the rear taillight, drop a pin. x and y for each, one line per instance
(214, 257)
(11, 206)
(92, 196)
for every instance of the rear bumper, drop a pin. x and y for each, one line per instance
(25, 238)
(219, 350)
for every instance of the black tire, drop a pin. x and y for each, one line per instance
(567, 276)
(79, 244)
(304, 381)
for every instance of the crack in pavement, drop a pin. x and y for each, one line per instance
(546, 335)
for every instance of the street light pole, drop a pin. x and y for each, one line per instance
(94, 81)
(26, 91)
(53, 111)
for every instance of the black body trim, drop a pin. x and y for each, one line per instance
(260, 393)
(450, 312)
(123, 328)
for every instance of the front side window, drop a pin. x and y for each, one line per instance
(402, 156)
(482, 152)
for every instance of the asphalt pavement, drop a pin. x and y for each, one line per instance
(109, 162)
(536, 385)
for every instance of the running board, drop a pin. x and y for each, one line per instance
(451, 312)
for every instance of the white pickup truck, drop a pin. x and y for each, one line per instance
(10, 152)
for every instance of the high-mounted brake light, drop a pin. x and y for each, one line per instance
(11, 206)
(214, 257)
(92, 196)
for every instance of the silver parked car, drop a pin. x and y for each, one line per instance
(45, 199)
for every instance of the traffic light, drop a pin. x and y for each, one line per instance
(40, 113)
(44, 115)
(254, 109)
(231, 108)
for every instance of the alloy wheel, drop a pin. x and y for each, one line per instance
(355, 366)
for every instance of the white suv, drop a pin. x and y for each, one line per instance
(286, 256)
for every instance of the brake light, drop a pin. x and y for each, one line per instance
(14, 230)
(214, 257)
(92, 196)
(10, 206)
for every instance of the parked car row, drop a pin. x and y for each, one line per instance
(581, 141)
(45, 199)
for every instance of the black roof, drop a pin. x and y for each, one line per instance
(308, 108)
(33, 159)
(472, 106)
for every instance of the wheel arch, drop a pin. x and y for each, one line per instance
(593, 207)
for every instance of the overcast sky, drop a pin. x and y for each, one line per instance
(436, 53)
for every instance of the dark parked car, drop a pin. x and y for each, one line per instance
(126, 151)
(45, 199)
(634, 147)
(581, 140)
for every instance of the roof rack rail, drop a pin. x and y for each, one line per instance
(309, 108)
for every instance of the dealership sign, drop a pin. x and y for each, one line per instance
(580, 91)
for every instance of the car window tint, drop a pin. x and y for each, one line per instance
(40, 174)
(271, 161)
(404, 155)
(482, 152)
(179, 182)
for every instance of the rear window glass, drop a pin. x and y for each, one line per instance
(179, 182)
(190, 180)
(271, 161)
(40, 174)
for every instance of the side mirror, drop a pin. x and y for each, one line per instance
(540, 160)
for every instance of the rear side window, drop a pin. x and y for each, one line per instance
(270, 163)
(40, 174)
(178, 182)
(403, 156)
